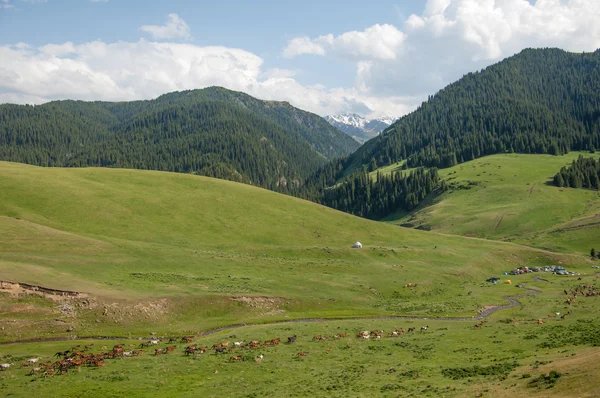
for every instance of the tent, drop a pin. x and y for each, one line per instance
(357, 245)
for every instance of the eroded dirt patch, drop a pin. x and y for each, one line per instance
(15, 289)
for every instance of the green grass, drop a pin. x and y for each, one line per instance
(176, 254)
(172, 252)
(449, 359)
(510, 197)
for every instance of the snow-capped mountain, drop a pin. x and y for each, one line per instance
(358, 127)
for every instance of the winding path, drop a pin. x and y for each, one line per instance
(513, 301)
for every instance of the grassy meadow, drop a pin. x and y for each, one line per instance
(450, 358)
(510, 197)
(163, 254)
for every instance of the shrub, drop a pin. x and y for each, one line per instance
(545, 381)
(501, 369)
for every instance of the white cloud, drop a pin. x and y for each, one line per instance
(396, 68)
(453, 37)
(175, 27)
(143, 70)
(302, 45)
(5, 4)
(376, 42)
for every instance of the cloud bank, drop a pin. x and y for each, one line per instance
(396, 66)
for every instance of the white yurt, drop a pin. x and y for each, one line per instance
(357, 245)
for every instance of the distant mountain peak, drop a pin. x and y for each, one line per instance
(358, 127)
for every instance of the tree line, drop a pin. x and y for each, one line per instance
(584, 172)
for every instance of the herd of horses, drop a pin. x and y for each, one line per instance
(78, 356)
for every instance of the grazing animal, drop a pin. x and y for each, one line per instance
(301, 354)
(254, 344)
(410, 330)
(340, 335)
(236, 358)
(186, 339)
(159, 351)
(62, 353)
(238, 344)
(424, 327)
(4, 366)
(291, 339)
(152, 342)
(540, 321)
(191, 350)
(170, 348)
(564, 315)
(377, 334)
(34, 370)
(220, 350)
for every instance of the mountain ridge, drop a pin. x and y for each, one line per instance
(358, 127)
(213, 131)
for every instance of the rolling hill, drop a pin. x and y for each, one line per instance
(150, 255)
(214, 132)
(130, 237)
(512, 197)
(540, 101)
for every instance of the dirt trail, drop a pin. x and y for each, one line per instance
(513, 301)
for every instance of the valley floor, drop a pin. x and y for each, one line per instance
(136, 256)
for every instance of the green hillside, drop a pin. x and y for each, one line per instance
(539, 101)
(158, 255)
(214, 132)
(511, 197)
(201, 242)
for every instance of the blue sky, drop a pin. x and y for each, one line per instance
(378, 57)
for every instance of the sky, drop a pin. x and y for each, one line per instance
(374, 58)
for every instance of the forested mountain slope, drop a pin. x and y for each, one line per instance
(214, 132)
(544, 101)
(538, 101)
